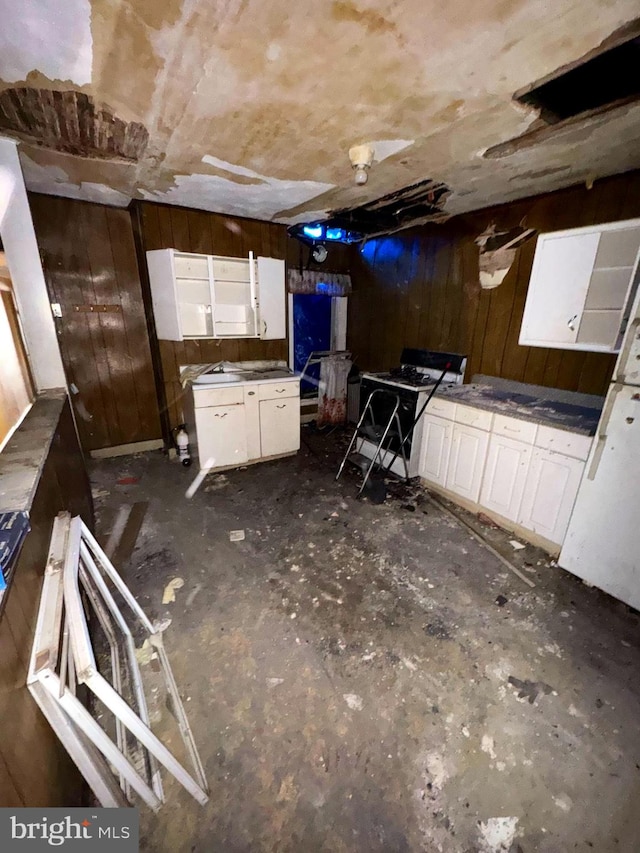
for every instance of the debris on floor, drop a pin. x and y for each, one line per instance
(236, 535)
(169, 594)
(424, 698)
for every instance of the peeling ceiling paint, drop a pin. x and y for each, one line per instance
(50, 36)
(251, 108)
(261, 200)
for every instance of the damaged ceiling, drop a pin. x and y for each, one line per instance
(250, 108)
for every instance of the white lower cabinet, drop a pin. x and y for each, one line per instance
(522, 472)
(466, 463)
(243, 422)
(436, 448)
(279, 426)
(222, 435)
(505, 476)
(550, 493)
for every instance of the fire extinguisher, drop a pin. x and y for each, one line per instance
(181, 438)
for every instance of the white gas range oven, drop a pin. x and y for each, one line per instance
(412, 381)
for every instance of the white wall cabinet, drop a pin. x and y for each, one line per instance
(581, 283)
(244, 422)
(466, 463)
(208, 296)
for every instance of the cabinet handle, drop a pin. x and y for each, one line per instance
(224, 415)
(280, 390)
(250, 393)
(283, 406)
(512, 429)
(264, 327)
(571, 322)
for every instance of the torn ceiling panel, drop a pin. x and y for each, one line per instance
(69, 121)
(250, 108)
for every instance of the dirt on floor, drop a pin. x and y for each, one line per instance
(363, 677)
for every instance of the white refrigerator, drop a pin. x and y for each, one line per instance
(602, 545)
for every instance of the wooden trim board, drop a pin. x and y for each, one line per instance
(128, 449)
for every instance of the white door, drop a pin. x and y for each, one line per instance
(550, 492)
(466, 464)
(222, 437)
(436, 447)
(601, 545)
(558, 288)
(280, 426)
(271, 299)
(505, 476)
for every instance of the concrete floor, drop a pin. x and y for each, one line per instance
(354, 683)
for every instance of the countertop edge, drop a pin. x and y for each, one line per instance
(24, 457)
(201, 386)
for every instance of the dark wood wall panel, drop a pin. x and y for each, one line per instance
(165, 227)
(89, 258)
(34, 768)
(420, 288)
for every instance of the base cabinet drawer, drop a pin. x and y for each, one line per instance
(279, 426)
(276, 390)
(222, 436)
(466, 463)
(436, 448)
(550, 493)
(505, 476)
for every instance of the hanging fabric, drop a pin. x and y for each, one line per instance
(332, 393)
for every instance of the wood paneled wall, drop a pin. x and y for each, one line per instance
(89, 259)
(420, 288)
(165, 227)
(35, 770)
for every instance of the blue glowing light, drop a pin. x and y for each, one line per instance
(313, 231)
(336, 234)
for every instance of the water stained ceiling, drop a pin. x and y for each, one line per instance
(250, 108)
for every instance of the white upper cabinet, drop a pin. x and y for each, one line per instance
(207, 296)
(272, 323)
(581, 283)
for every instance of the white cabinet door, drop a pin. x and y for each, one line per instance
(580, 287)
(280, 426)
(271, 299)
(550, 492)
(466, 464)
(436, 448)
(505, 476)
(222, 436)
(560, 276)
(163, 295)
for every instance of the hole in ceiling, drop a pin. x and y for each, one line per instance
(607, 77)
(592, 89)
(70, 122)
(421, 202)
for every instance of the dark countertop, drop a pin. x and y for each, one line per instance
(566, 410)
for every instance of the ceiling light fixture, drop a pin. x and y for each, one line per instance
(361, 157)
(319, 253)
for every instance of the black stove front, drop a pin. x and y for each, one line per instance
(382, 406)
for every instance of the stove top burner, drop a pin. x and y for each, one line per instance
(408, 375)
